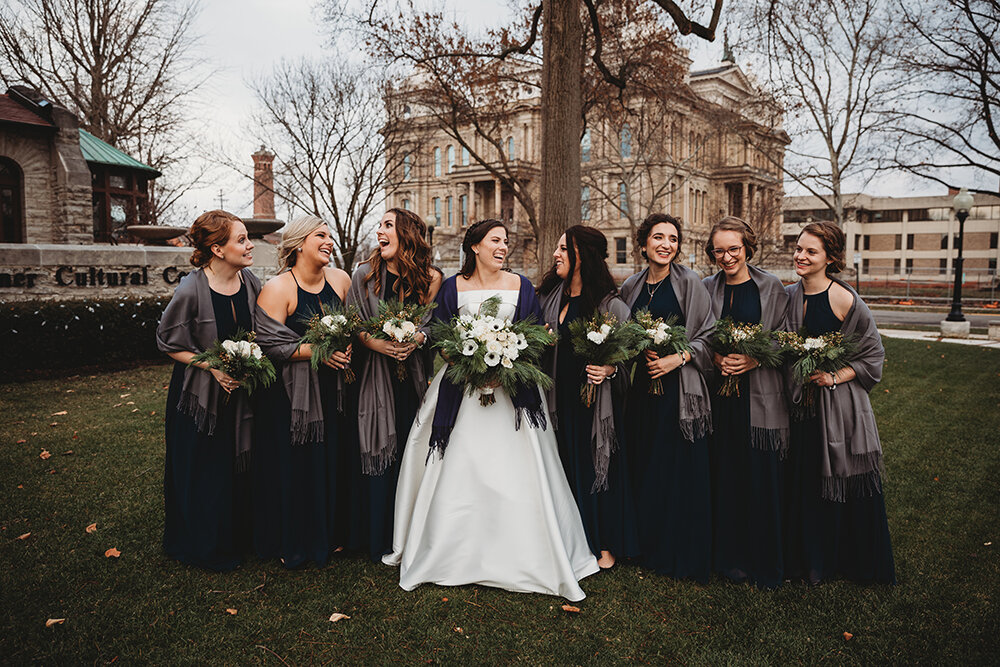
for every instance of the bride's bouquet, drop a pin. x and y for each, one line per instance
(664, 337)
(827, 353)
(752, 340)
(398, 322)
(331, 330)
(485, 351)
(241, 359)
(604, 341)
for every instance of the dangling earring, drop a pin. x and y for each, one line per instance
(299, 249)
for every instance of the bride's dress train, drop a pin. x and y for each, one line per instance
(496, 509)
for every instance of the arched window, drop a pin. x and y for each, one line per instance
(625, 137)
(510, 148)
(11, 198)
(451, 159)
(465, 156)
(407, 166)
(437, 161)
(585, 147)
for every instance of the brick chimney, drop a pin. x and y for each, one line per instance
(263, 185)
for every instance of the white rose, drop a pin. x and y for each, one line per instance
(229, 346)
(388, 327)
(327, 321)
(494, 346)
(605, 329)
(511, 351)
(491, 358)
(339, 319)
(813, 344)
(255, 351)
(596, 337)
(659, 337)
(243, 348)
(506, 362)
(409, 328)
(469, 348)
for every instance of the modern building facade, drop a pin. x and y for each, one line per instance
(697, 156)
(908, 237)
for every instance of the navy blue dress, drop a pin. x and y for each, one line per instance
(671, 474)
(827, 540)
(301, 492)
(206, 500)
(608, 516)
(374, 496)
(746, 482)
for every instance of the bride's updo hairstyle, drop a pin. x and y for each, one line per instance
(474, 235)
(293, 236)
(211, 228)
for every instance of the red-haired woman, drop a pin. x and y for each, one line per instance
(668, 432)
(399, 268)
(750, 427)
(208, 416)
(580, 285)
(835, 522)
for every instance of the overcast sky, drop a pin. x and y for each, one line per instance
(242, 39)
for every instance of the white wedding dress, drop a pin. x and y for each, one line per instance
(496, 509)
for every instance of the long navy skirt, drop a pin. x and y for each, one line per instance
(298, 489)
(671, 482)
(827, 540)
(206, 501)
(746, 497)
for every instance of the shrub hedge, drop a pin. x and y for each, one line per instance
(71, 334)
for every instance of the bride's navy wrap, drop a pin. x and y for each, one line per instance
(527, 400)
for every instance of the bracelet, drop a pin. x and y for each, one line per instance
(833, 377)
(683, 360)
(613, 375)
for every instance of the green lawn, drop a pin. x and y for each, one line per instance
(939, 419)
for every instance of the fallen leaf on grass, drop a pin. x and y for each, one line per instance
(124, 395)
(67, 452)
(129, 402)
(112, 553)
(231, 611)
(44, 455)
(54, 424)
(444, 599)
(71, 391)
(458, 629)
(571, 609)
(935, 479)
(23, 537)
(986, 544)
(92, 528)
(54, 621)
(75, 436)
(337, 616)
(887, 391)
(59, 414)
(848, 636)
(21, 441)
(135, 409)
(20, 486)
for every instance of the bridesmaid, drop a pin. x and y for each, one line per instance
(577, 285)
(208, 417)
(399, 268)
(835, 523)
(751, 427)
(301, 466)
(668, 432)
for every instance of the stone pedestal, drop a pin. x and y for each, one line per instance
(955, 329)
(994, 330)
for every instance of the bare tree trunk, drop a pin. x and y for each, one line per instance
(562, 105)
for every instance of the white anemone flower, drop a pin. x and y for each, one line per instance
(522, 342)
(469, 348)
(491, 358)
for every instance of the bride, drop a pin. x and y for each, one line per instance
(491, 505)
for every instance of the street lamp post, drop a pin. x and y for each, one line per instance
(955, 323)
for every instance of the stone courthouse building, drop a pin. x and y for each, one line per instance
(700, 155)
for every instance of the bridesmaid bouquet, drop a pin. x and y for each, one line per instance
(485, 351)
(240, 358)
(752, 340)
(826, 353)
(331, 330)
(665, 337)
(398, 322)
(604, 341)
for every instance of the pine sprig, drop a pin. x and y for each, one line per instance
(240, 358)
(665, 337)
(331, 330)
(398, 322)
(604, 341)
(751, 340)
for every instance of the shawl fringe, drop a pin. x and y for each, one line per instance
(602, 455)
(204, 419)
(862, 485)
(699, 425)
(373, 464)
(770, 440)
(304, 431)
(242, 463)
(535, 415)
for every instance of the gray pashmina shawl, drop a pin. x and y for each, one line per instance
(604, 437)
(852, 452)
(188, 325)
(279, 342)
(376, 404)
(695, 405)
(768, 407)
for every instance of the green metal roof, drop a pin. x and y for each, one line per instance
(95, 150)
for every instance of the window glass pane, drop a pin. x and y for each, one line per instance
(120, 182)
(585, 203)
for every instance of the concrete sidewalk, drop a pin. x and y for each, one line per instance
(935, 337)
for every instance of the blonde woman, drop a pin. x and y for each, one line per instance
(300, 469)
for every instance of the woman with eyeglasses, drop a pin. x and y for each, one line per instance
(668, 432)
(835, 521)
(751, 426)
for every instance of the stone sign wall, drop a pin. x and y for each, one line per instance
(49, 272)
